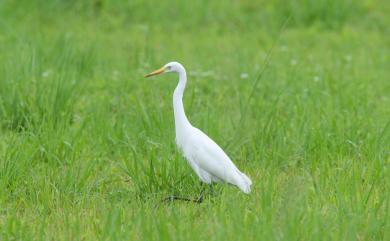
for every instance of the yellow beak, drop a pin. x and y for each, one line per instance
(156, 72)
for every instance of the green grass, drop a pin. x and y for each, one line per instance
(87, 145)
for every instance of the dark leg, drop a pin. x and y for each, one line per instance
(174, 198)
(197, 200)
(200, 198)
(212, 189)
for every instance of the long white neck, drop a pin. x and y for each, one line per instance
(181, 121)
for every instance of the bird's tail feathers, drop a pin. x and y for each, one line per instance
(245, 183)
(247, 179)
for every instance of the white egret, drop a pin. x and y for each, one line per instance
(206, 158)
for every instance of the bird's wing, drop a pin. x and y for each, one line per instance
(203, 175)
(211, 158)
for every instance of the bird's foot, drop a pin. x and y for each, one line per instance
(176, 198)
(199, 199)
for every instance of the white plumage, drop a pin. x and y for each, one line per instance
(206, 158)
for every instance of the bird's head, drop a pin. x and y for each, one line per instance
(169, 67)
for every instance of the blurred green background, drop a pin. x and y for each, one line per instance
(296, 92)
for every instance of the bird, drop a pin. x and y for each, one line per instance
(206, 158)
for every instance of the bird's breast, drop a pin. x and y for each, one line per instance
(184, 141)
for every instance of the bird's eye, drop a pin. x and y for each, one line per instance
(168, 67)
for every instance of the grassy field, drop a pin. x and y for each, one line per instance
(296, 92)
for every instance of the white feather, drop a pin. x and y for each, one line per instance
(206, 158)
